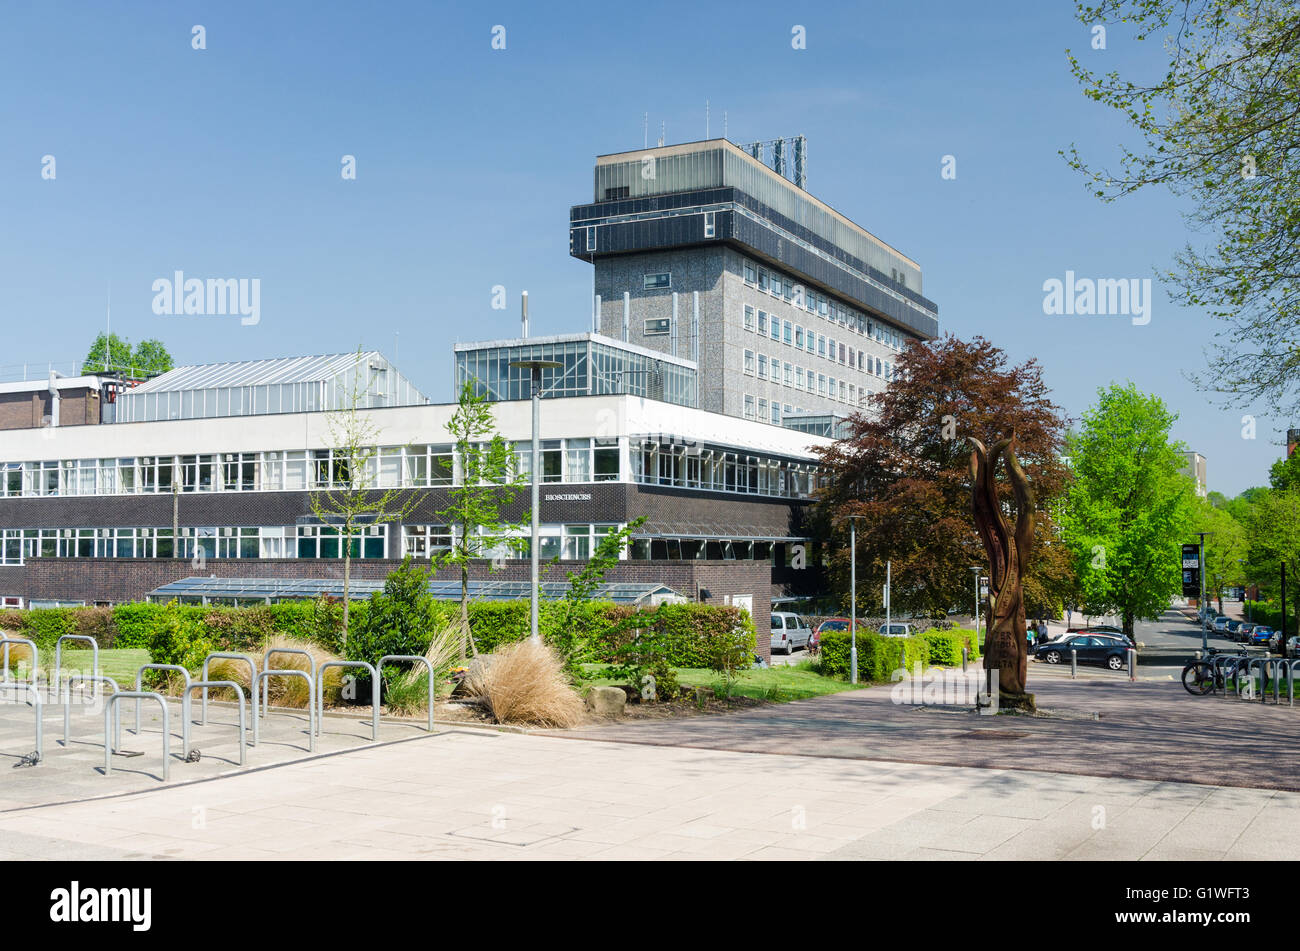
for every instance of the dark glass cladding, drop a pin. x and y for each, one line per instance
(762, 243)
(584, 214)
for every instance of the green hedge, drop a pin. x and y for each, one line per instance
(879, 656)
(174, 632)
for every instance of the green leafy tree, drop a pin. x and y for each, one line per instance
(1221, 128)
(1226, 547)
(1284, 475)
(490, 482)
(1128, 508)
(1273, 539)
(110, 353)
(566, 633)
(347, 497)
(905, 467)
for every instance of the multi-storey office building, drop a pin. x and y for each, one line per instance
(205, 480)
(788, 307)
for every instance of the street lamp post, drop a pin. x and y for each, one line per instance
(536, 367)
(975, 569)
(853, 598)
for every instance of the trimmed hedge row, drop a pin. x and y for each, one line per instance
(880, 656)
(175, 633)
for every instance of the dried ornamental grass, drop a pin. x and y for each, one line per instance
(525, 683)
(284, 691)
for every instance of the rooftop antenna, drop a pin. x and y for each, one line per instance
(663, 129)
(108, 325)
(724, 123)
(524, 314)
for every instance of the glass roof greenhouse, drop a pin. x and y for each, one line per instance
(259, 387)
(241, 591)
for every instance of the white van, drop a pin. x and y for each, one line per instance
(789, 631)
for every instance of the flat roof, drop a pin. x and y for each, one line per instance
(307, 588)
(575, 338)
(685, 148)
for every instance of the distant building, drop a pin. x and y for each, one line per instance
(1194, 468)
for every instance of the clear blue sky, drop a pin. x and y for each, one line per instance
(225, 162)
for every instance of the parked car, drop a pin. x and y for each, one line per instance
(896, 629)
(830, 624)
(1244, 631)
(1261, 635)
(1232, 628)
(789, 632)
(1107, 650)
(1106, 630)
(1293, 646)
(1220, 624)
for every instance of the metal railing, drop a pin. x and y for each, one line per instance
(139, 688)
(374, 693)
(262, 681)
(414, 659)
(137, 696)
(35, 694)
(266, 667)
(252, 675)
(243, 724)
(31, 647)
(58, 659)
(67, 703)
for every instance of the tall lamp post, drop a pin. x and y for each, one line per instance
(853, 597)
(536, 367)
(976, 569)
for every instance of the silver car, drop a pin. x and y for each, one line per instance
(789, 632)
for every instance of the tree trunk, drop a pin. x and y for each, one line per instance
(464, 609)
(1128, 623)
(347, 589)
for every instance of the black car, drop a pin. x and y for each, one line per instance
(1108, 650)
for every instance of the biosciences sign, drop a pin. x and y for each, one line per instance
(568, 497)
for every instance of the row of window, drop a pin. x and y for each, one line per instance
(788, 374)
(792, 335)
(569, 460)
(720, 470)
(294, 541)
(575, 542)
(794, 293)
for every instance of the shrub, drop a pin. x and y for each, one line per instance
(878, 656)
(525, 683)
(400, 618)
(179, 637)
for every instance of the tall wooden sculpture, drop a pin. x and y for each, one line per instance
(1008, 552)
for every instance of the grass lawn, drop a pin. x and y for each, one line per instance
(121, 665)
(774, 683)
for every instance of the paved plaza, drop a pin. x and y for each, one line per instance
(847, 776)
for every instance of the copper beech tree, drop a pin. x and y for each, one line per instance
(905, 467)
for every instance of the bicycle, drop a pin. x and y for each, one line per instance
(1203, 676)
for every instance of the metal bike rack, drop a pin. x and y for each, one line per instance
(1290, 681)
(139, 688)
(266, 667)
(1217, 665)
(374, 694)
(252, 675)
(311, 707)
(67, 701)
(137, 696)
(35, 693)
(243, 725)
(58, 659)
(1277, 668)
(379, 678)
(36, 655)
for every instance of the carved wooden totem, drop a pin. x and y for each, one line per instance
(1004, 647)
